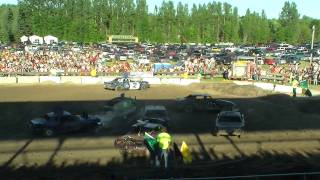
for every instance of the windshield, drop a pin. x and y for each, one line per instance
(156, 113)
(230, 119)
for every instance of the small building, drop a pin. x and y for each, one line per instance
(50, 39)
(24, 39)
(34, 39)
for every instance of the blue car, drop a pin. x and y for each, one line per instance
(54, 123)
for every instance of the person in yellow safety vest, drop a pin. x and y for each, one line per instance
(295, 84)
(93, 73)
(164, 141)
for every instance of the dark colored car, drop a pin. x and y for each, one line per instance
(64, 122)
(155, 114)
(203, 102)
(126, 84)
(229, 123)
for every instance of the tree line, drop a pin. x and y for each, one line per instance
(94, 20)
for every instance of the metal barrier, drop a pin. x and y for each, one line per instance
(304, 176)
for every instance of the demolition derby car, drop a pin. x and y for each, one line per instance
(229, 123)
(156, 114)
(203, 102)
(59, 122)
(126, 84)
(133, 141)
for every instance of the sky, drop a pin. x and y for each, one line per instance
(271, 7)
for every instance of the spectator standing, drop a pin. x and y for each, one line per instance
(295, 84)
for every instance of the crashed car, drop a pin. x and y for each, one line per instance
(64, 122)
(203, 102)
(126, 84)
(133, 141)
(156, 114)
(229, 123)
(120, 113)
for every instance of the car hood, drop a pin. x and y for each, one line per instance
(38, 121)
(181, 99)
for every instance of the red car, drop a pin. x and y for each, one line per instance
(269, 61)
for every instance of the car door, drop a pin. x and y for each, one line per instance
(209, 103)
(69, 123)
(199, 103)
(134, 85)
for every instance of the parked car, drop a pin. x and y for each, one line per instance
(143, 59)
(203, 102)
(125, 84)
(230, 123)
(122, 57)
(64, 122)
(269, 61)
(130, 54)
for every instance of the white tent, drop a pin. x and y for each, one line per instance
(24, 39)
(34, 39)
(50, 39)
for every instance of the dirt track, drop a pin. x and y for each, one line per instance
(276, 124)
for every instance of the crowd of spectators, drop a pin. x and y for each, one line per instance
(84, 61)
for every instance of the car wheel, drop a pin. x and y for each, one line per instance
(96, 130)
(215, 132)
(143, 87)
(48, 132)
(188, 109)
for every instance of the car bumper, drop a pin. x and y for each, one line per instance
(107, 86)
(228, 132)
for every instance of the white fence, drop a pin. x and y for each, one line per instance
(87, 80)
(269, 86)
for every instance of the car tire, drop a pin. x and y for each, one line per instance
(215, 132)
(97, 130)
(48, 132)
(143, 87)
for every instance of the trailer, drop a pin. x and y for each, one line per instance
(242, 69)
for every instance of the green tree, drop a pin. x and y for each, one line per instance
(289, 20)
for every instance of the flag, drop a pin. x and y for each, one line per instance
(186, 155)
(150, 141)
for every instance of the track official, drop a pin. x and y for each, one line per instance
(164, 141)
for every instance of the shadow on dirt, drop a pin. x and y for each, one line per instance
(139, 167)
(267, 113)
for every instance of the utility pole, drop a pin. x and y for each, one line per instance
(312, 39)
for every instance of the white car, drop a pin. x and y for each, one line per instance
(143, 60)
(130, 54)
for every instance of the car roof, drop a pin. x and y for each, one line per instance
(64, 113)
(199, 94)
(147, 125)
(230, 113)
(155, 107)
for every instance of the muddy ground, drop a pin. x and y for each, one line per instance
(282, 134)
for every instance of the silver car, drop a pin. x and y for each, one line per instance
(229, 123)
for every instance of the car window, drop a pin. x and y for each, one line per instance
(200, 97)
(231, 119)
(69, 118)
